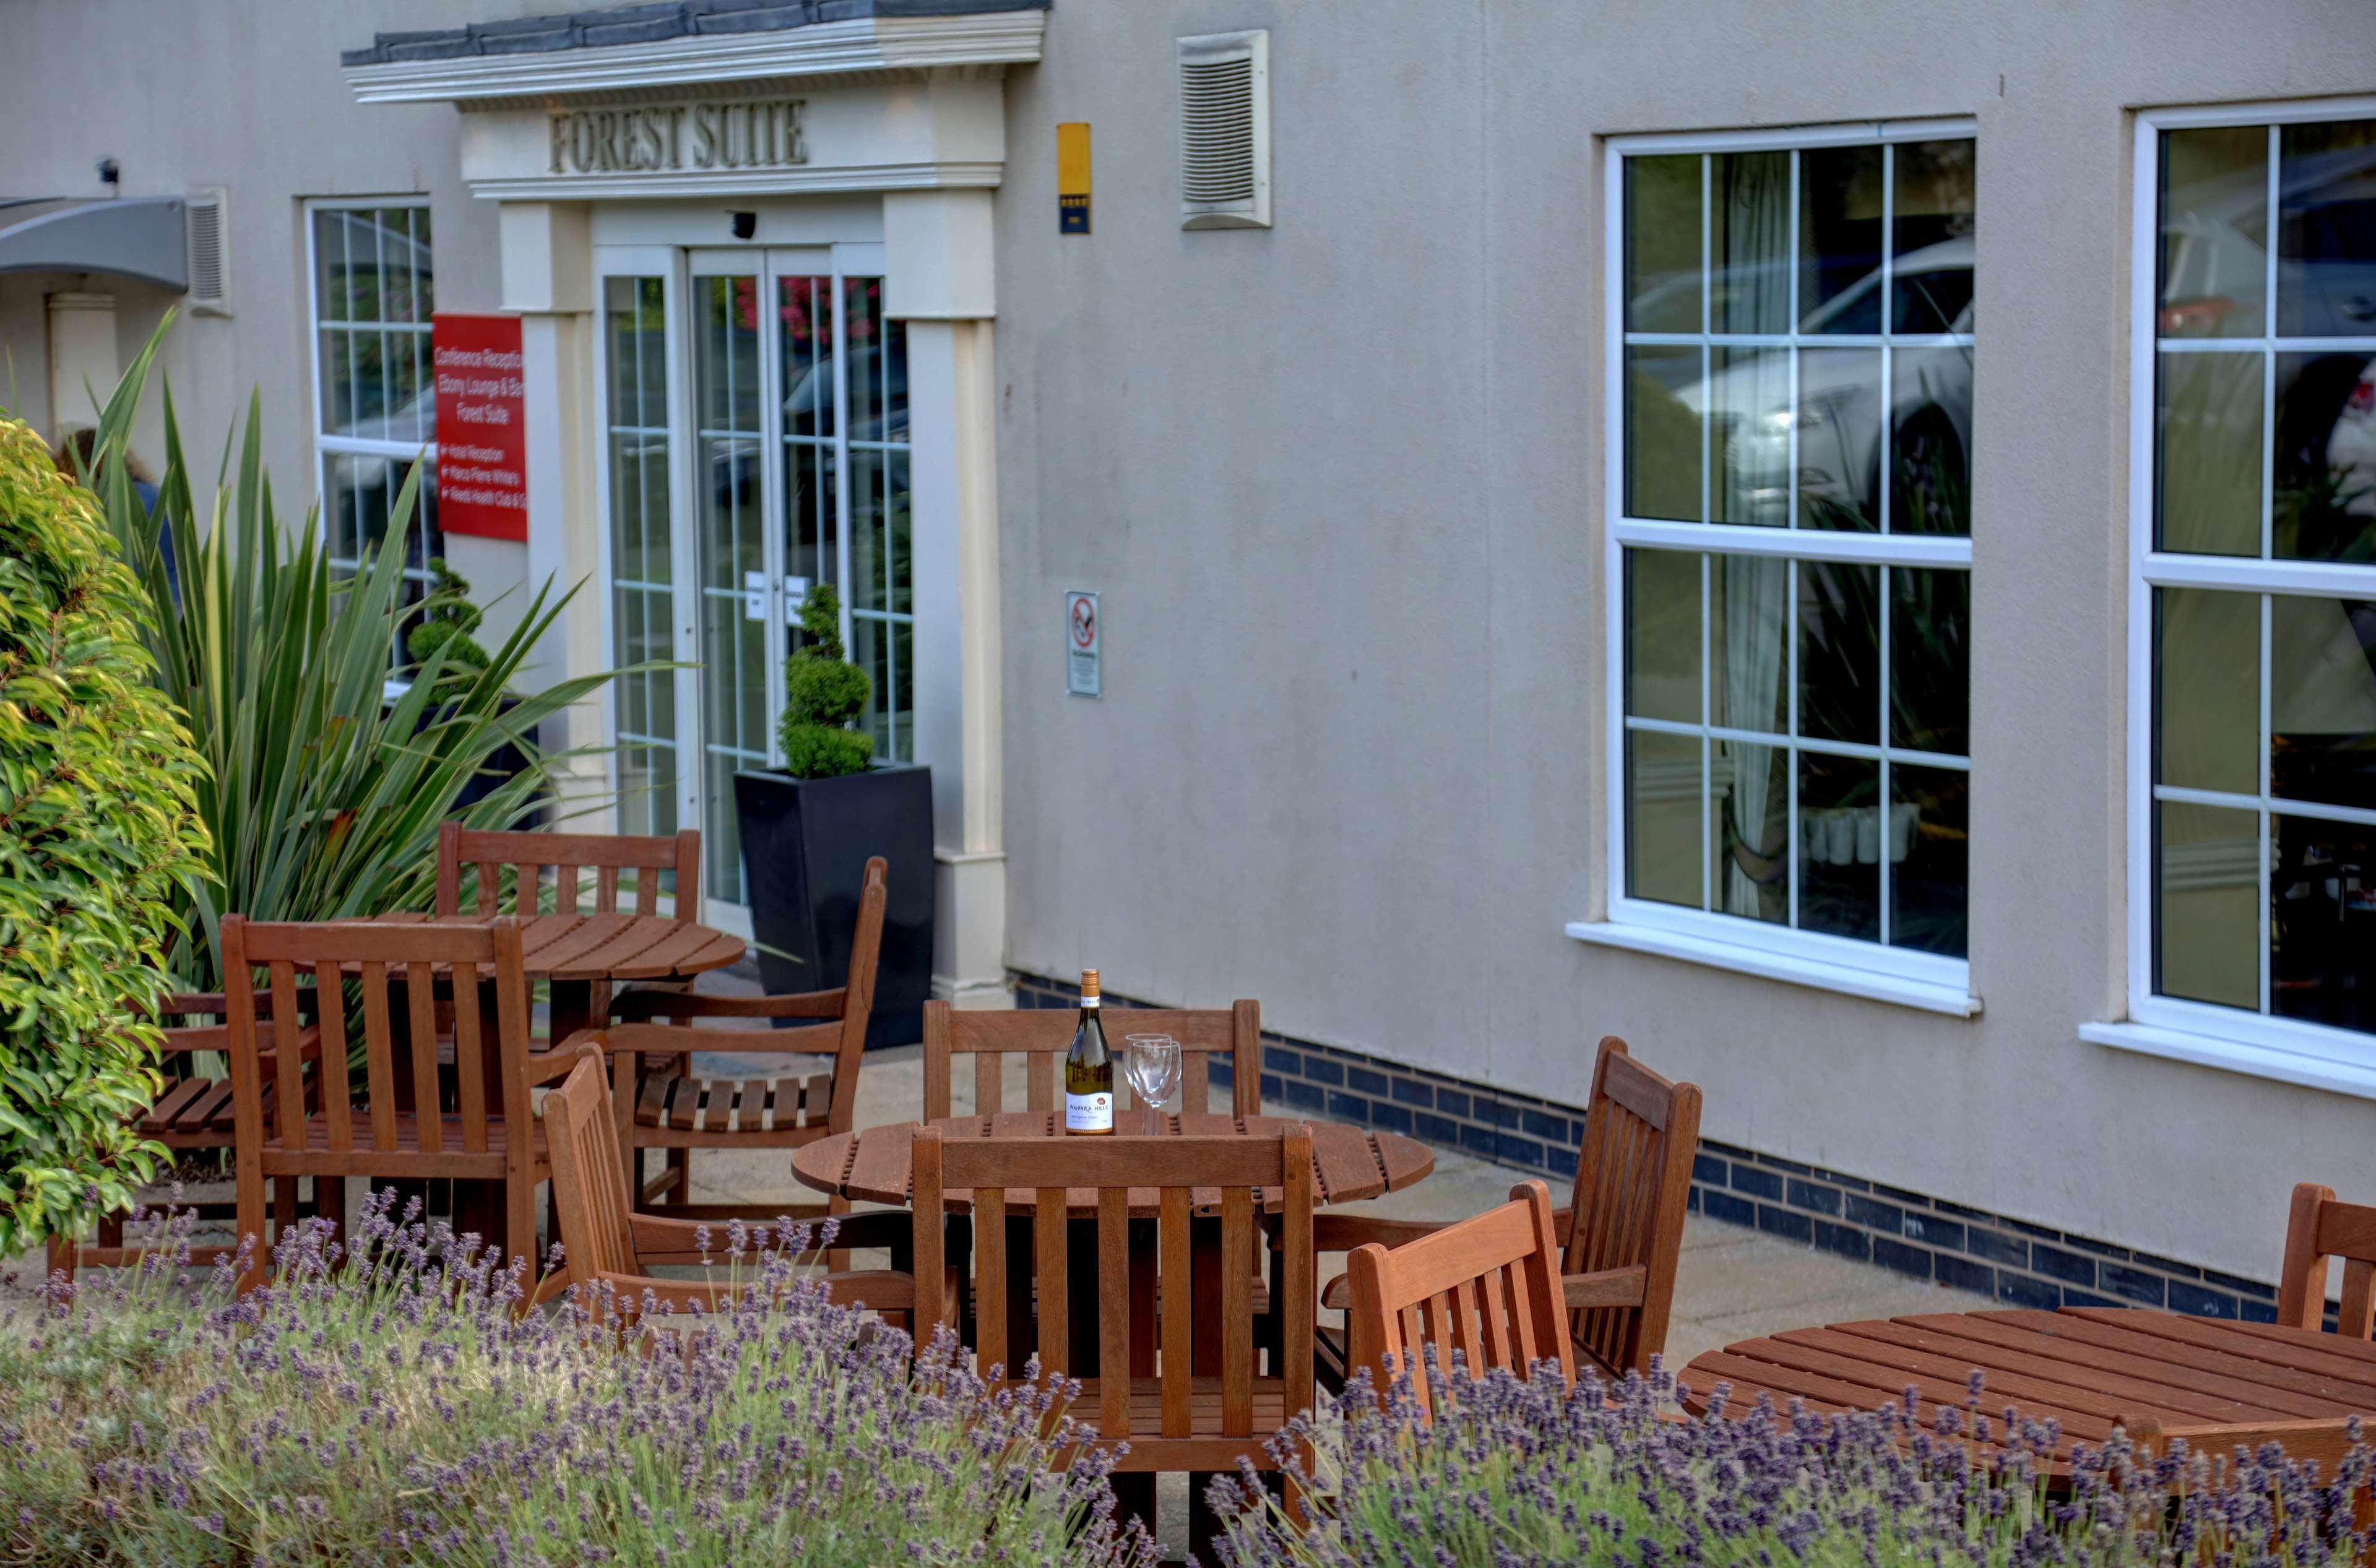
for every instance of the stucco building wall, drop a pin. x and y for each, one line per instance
(1339, 482)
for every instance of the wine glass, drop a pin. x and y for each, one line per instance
(1153, 1064)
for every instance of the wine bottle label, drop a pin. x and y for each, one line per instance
(1088, 1113)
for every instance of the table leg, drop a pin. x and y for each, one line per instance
(569, 1007)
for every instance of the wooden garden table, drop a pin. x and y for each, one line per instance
(575, 954)
(2084, 1366)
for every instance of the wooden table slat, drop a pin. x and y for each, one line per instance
(1987, 1338)
(2016, 1380)
(645, 952)
(2196, 1339)
(1885, 1380)
(2083, 1367)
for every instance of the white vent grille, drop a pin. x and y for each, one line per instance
(206, 218)
(1225, 131)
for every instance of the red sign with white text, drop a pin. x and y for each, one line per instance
(482, 426)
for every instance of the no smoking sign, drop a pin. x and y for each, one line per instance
(1084, 640)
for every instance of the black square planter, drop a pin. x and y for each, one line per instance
(805, 844)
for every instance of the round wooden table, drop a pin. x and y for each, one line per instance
(1347, 1164)
(2084, 1366)
(575, 954)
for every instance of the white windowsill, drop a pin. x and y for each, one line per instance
(2254, 1059)
(1874, 985)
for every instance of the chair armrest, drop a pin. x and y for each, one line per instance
(1339, 1295)
(1343, 1232)
(544, 1066)
(1606, 1288)
(642, 1006)
(682, 1040)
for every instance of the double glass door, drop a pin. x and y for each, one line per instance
(756, 445)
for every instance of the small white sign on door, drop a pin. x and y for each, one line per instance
(1084, 643)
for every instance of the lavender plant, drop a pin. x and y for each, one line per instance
(390, 1405)
(1521, 1472)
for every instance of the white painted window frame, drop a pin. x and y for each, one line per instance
(1929, 982)
(326, 445)
(2288, 1049)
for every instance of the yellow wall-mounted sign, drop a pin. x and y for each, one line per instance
(1073, 177)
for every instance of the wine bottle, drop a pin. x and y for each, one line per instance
(1089, 1068)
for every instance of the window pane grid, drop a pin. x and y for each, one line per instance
(1805, 412)
(2263, 509)
(1930, 437)
(372, 298)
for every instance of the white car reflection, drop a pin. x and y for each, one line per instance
(1838, 415)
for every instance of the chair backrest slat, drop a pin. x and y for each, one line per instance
(337, 1112)
(1043, 1035)
(420, 1009)
(521, 860)
(1171, 1175)
(289, 1109)
(1632, 1183)
(2318, 1230)
(1172, 1260)
(1487, 1288)
(379, 1058)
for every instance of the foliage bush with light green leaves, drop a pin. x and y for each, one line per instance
(323, 793)
(823, 693)
(99, 840)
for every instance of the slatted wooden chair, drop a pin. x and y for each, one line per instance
(384, 1125)
(606, 1243)
(1487, 1287)
(492, 867)
(193, 1114)
(2318, 1230)
(1623, 1230)
(1043, 1035)
(1173, 1419)
(679, 1113)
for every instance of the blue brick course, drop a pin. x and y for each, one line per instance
(1724, 1206)
(1966, 1275)
(1813, 1198)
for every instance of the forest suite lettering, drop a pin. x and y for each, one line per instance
(761, 133)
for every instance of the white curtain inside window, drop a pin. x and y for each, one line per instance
(1757, 588)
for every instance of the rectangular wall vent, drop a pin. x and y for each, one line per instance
(206, 218)
(1225, 130)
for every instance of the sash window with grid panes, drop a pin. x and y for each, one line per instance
(1790, 542)
(374, 287)
(2255, 617)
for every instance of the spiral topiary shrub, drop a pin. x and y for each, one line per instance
(98, 833)
(823, 693)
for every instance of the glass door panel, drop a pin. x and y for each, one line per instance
(812, 468)
(738, 651)
(643, 577)
(882, 578)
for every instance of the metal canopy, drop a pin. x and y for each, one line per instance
(129, 236)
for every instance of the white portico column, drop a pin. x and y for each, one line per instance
(547, 279)
(938, 261)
